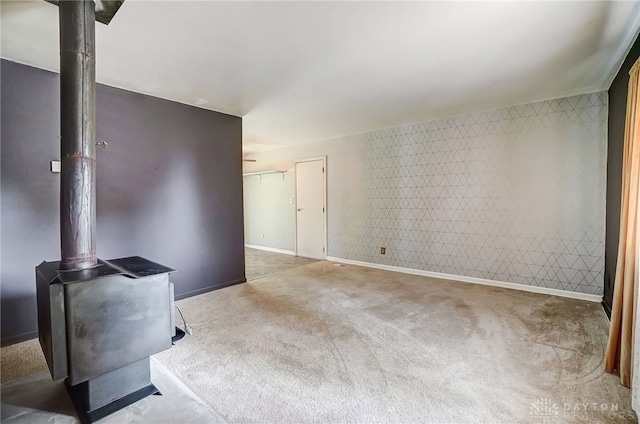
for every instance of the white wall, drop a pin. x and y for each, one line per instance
(514, 194)
(268, 213)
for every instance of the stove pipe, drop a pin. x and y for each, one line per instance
(78, 134)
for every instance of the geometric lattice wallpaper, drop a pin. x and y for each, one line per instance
(514, 194)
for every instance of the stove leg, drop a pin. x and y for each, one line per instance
(103, 395)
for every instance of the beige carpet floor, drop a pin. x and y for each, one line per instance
(20, 360)
(325, 343)
(344, 344)
(260, 263)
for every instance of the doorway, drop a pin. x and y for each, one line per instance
(311, 208)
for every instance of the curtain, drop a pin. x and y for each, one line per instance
(619, 355)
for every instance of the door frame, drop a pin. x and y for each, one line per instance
(324, 202)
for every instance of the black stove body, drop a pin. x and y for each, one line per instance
(98, 327)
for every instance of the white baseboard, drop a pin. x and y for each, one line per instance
(271, 249)
(514, 286)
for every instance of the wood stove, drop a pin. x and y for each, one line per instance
(98, 320)
(98, 327)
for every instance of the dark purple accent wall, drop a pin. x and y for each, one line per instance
(617, 114)
(169, 188)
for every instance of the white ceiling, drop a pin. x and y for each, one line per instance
(304, 71)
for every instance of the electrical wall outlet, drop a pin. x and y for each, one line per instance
(383, 250)
(262, 235)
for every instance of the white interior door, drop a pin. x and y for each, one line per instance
(310, 209)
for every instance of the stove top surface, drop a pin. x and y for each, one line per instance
(133, 266)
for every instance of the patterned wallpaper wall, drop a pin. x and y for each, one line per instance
(514, 194)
